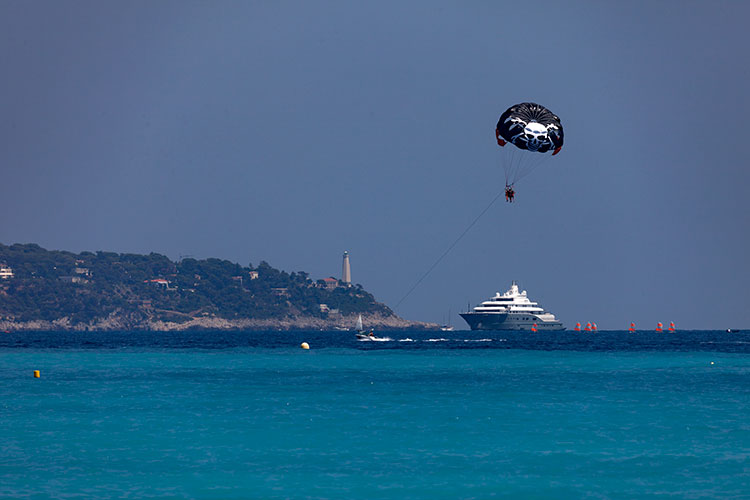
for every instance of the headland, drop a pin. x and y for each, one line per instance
(106, 291)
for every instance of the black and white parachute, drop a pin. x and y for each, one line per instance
(527, 132)
(530, 126)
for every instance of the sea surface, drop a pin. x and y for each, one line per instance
(426, 415)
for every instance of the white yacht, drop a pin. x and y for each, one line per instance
(511, 311)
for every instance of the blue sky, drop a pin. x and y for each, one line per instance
(292, 131)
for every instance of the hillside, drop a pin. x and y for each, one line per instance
(43, 289)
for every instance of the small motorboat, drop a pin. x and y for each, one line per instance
(370, 337)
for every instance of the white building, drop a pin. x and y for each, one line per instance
(6, 272)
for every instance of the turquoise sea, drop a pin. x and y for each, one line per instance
(452, 415)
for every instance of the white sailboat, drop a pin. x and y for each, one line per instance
(447, 327)
(361, 333)
(364, 335)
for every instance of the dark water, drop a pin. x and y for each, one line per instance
(425, 415)
(601, 341)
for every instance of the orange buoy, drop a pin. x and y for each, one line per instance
(37, 374)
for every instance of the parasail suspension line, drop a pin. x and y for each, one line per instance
(447, 251)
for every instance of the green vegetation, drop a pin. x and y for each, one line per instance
(49, 285)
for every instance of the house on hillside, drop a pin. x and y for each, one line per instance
(160, 282)
(329, 283)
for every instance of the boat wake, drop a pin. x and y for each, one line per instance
(375, 339)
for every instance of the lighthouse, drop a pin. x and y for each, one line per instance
(346, 271)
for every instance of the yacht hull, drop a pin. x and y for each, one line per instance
(495, 321)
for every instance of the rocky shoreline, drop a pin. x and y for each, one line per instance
(120, 322)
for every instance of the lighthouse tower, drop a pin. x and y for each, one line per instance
(346, 272)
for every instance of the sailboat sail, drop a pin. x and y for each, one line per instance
(359, 323)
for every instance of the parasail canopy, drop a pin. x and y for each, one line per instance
(530, 126)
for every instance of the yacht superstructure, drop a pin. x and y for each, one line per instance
(511, 311)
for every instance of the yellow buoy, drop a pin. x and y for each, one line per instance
(37, 374)
(305, 345)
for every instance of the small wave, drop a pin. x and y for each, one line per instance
(436, 340)
(477, 340)
(406, 340)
